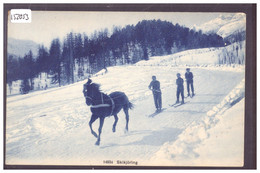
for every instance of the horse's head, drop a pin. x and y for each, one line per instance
(90, 90)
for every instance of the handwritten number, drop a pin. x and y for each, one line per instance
(20, 17)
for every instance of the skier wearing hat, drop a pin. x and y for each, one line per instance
(180, 88)
(157, 94)
(189, 81)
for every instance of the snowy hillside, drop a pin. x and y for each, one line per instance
(51, 126)
(21, 47)
(233, 55)
(208, 57)
(225, 25)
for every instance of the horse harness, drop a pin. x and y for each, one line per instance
(104, 104)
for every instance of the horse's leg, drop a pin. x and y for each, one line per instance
(126, 117)
(101, 122)
(114, 125)
(92, 120)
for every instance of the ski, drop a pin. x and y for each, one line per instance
(173, 104)
(179, 104)
(156, 113)
(190, 96)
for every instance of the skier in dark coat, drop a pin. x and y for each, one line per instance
(157, 94)
(189, 81)
(180, 88)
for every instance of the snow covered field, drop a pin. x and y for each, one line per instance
(50, 127)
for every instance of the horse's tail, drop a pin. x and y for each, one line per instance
(130, 105)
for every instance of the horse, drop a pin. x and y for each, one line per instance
(103, 105)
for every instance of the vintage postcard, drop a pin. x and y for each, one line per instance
(125, 88)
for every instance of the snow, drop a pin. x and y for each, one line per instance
(195, 57)
(216, 147)
(199, 141)
(42, 82)
(232, 28)
(50, 127)
(206, 57)
(232, 124)
(225, 25)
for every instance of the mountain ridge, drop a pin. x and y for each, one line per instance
(19, 48)
(224, 25)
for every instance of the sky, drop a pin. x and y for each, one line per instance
(48, 25)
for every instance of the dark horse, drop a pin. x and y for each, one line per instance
(103, 105)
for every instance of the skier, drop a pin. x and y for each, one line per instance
(180, 88)
(157, 94)
(189, 81)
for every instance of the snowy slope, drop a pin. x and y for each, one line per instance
(207, 57)
(222, 136)
(232, 54)
(211, 137)
(51, 126)
(225, 25)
